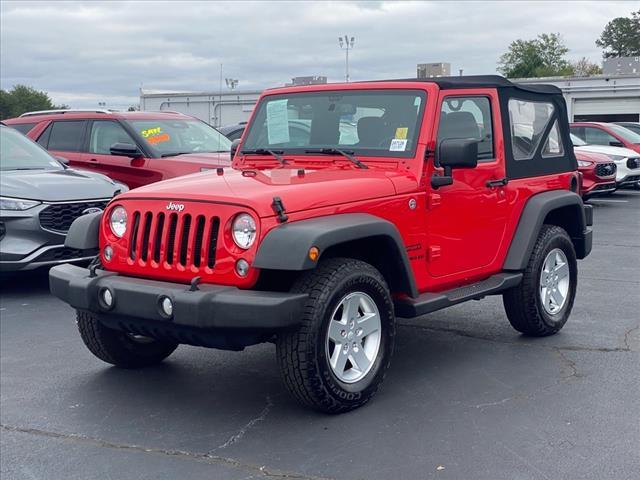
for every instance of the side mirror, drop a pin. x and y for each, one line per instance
(455, 153)
(62, 160)
(234, 147)
(125, 150)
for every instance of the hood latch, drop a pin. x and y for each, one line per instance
(279, 210)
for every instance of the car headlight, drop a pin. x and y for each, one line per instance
(19, 204)
(244, 230)
(582, 163)
(118, 221)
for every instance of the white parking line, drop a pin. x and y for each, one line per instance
(609, 201)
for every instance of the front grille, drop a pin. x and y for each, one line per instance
(59, 216)
(186, 240)
(632, 178)
(633, 162)
(605, 169)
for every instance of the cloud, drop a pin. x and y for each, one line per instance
(94, 51)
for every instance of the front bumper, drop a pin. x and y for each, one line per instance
(214, 315)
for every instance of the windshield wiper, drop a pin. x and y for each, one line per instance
(333, 151)
(174, 154)
(263, 151)
(28, 168)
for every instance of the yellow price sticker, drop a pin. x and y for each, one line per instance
(401, 133)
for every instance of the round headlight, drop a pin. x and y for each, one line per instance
(244, 230)
(118, 221)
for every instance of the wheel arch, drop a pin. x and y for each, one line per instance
(559, 207)
(360, 236)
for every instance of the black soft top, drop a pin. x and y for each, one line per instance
(483, 81)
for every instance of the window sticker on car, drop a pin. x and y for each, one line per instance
(398, 145)
(401, 133)
(154, 135)
(277, 121)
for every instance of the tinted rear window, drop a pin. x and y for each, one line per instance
(66, 136)
(23, 128)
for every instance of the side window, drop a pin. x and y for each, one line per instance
(468, 117)
(596, 136)
(528, 122)
(104, 133)
(23, 127)
(66, 136)
(43, 139)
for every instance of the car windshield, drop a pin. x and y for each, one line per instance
(178, 137)
(625, 133)
(363, 122)
(577, 141)
(17, 152)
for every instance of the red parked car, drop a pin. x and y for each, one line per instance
(319, 242)
(598, 174)
(609, 134)
(134, 148)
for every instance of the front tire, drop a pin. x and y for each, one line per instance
(542, 303)
(336, 360)
(120, 348)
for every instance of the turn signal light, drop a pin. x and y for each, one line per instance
(314, 254)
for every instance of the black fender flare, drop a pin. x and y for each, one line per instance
(286, 247)
(538, 209)
(84, 232)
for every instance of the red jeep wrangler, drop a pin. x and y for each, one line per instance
(403, 198)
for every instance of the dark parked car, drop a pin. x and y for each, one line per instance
(633, 126)
(40, 199)
(134, 148)
(233, 132)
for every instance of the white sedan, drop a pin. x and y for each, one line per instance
(627, 161)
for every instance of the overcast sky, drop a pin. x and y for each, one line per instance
(83, 53)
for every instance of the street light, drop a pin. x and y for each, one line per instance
(346, 44)
(231, 82)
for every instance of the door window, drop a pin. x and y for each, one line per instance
(528, 122)
(596, 136)
(66, 136)
(468, 117)
(104, 134)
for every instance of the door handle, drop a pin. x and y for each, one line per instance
(497, 183)
(93, 160)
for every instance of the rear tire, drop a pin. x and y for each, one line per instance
(542, 303)
(336, 360)
(120, 348)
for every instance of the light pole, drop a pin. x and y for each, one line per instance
(346, 44)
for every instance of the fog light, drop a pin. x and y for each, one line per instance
(167, 306)
(242, 267)
(107, 298)
(108, 253)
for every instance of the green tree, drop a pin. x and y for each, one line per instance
(621, 37)
(584, 68)
(540, 57)
(21, 99)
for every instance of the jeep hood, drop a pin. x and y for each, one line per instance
(256, 189)
(56, 185)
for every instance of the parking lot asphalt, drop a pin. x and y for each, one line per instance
(466, 397)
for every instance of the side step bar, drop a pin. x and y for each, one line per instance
(430, 302)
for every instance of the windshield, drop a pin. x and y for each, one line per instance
(177, 137)
(625, 133)
(577, 141)
(17, 152)
(364, 122)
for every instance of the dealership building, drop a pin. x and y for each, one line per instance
(606, 98)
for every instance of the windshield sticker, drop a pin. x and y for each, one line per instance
(398, 145)
(277, 121)
(401, 133)
(154, 135)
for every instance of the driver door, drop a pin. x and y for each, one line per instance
(466, 221)
(102, 135)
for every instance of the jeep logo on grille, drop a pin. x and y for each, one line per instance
(89, 210)
(178, 207)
